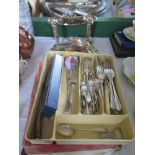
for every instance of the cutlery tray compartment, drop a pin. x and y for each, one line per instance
(95, 130)
(76, 118)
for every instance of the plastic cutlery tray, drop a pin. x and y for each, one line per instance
(76, 119)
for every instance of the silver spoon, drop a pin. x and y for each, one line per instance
(71, 64)
(68, 131)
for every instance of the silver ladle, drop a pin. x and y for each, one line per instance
(68, 131)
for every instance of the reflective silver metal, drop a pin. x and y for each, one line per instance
(64, 8)
(88, 89)
(68, 130)
(74, 43)
(54, 22)
(71, 76)
(115, 102)
(89, 20)
(106, 75)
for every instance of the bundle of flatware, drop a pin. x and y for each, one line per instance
(106, 75)
(89, 97)
(97, 87)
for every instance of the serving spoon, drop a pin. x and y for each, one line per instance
(102, 133)
(68, 131)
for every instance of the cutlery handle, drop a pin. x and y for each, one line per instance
(116, 99)
(111, 95)
(101, 96)
(93, 130)
(107, 105)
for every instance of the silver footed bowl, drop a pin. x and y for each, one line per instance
(65, 9)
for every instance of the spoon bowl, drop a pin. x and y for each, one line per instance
(65, 130)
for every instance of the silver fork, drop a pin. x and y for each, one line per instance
(100, 75)
(87, 67)
(114, 100)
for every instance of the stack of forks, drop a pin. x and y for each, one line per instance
(106, 75)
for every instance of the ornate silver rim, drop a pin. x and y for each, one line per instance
(76, 10)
